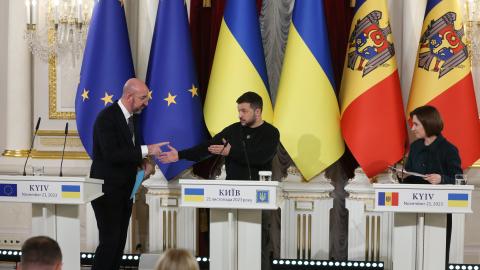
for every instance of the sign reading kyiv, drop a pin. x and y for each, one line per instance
(426, 200)
(227, 195)
(42, 191)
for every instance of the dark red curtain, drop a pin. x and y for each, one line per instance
(339, 15)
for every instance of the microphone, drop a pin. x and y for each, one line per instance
(63, 151)
(244, 145)
(403, 161)
(247, 160)
(210, 173)
(31, 145)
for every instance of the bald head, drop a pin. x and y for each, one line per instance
(135, 95)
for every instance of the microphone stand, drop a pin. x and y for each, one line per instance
(31, 145)
(63, 151)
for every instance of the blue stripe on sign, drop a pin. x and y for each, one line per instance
(70, 188)
(193, 191)
(457, 196)
(381, 198)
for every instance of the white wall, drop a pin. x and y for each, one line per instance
(3, 67)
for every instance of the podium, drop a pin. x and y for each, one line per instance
(235, 218)
(419, 232)
(55, 207)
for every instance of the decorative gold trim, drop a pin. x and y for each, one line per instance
(52, 84)
(58, 155)
(15, 153)
(207, 3)
(57, 133)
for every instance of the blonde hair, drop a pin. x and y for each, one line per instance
(177, 259)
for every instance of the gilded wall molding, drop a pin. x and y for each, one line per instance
(72, 133)
(79, 155)
(52, 85)
(15, 153)
(58, 155)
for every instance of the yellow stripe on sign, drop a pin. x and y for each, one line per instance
(72, 195)
(388, 198)
(426, 85)
(306, 110)
(457, 203)
(193, 198)
(353, 84)
(232, 75)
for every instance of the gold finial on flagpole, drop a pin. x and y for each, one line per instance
(207, 3)
(352, 3)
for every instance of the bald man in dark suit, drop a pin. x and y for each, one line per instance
(118, 153)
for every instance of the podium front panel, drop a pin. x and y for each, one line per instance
(423, 198)
(230, 194)
(49, 189)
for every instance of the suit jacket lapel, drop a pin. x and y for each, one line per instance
(122, 123)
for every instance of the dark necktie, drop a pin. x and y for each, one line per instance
(130, 126)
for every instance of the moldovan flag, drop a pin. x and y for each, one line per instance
(443, 78)
(306, 110)
(373, 121)
(238, 66)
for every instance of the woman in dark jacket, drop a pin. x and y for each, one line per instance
(432, 155)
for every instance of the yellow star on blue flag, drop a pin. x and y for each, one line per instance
(171, 66)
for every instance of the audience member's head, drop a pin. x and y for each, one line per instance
(40, 253)
(177, 259)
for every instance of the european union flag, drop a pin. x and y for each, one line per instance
(174, 113)
(107, 65)
(8, 190)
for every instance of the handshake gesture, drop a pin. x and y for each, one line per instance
(214, 149)
(148, 164)
(155, 149)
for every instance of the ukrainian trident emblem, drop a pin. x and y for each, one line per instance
(369, 44)
(444, 44)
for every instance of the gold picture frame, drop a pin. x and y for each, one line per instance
(52, 85)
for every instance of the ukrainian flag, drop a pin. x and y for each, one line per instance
(71, 191)
(306, 109)
(193, 194)
(238, 66)
(443, 78)
(373, 121)
(457, 200)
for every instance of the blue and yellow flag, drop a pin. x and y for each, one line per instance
(174, 113)
(306, 110)
(238, 66)
(107, 65)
